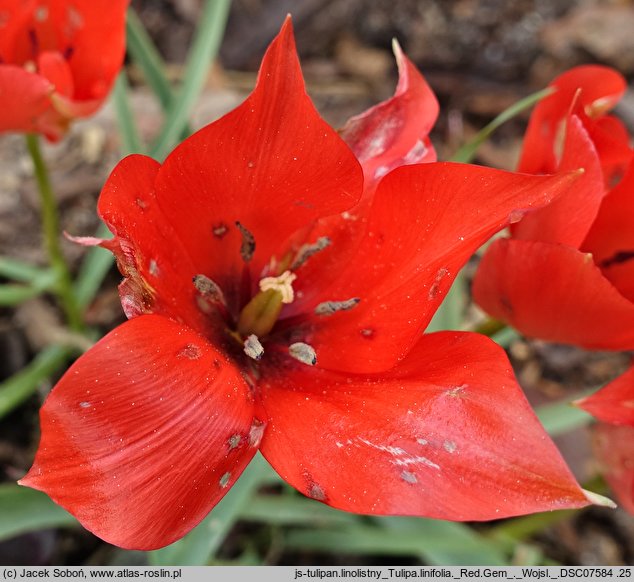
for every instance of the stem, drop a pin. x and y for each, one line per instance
(490, 327)
(50, 227)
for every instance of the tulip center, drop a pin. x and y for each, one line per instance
(259, 315)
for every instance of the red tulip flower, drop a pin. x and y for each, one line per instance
(58, 61)
(276, 303)
(613, 405)
(566, 274)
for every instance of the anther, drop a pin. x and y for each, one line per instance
(308, 250)
(209, 289)
(303, 352)
(253, 348)
(330, 307)
(248, 243)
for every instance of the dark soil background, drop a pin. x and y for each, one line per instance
(479, 56)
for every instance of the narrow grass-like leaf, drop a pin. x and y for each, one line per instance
(294, 510)
(14, 294)
(98, 261)
(11, 295)
(130, 140)
(454, 544)
(145, 55)
(522, 528)
(19, 387)
(19, 271)
(198, 546)
(204, 49)
(434, 542)
(23, 510)
(467, 152)
(562, 417)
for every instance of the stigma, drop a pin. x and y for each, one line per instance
(283, 284)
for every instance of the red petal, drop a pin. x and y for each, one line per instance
(568, 219)
(157, 269)
(144, 434)
(395, 132)
(612, 142)
(611, 238)
(598, 89)
(272, 164)
(25, 100)
(425, 223)
(615, 402)
(89, 34)
(447, 434)
(95, 29)
(614, 448)
(54, 67)
(553, 292)
(391, 134)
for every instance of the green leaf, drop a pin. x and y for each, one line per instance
(505, 337)
(144, 53)
(198, 546)
(44, 280)
(11, 295)
(448, 543)
(434, 542)
(561, 417)
(19, 387)
(19, 271)
(204, 49)
(467, 152)
(294, 510)
(23, 510)
(130, 140)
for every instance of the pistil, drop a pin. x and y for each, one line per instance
(259, 315)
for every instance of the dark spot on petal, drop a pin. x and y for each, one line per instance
(256, 432)
(409, 477)
(234, 441)
(141, 203)
(191, 352)
(617, 258)
(217, 364)
(224, 480)
(313, 489)
(220, 230)
(367, 333)
(505, 302)
(434, 290)
(35, 43)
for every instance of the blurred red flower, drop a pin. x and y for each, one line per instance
(58, 61)
(566, 274)
(613, 405)
(301, 334)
